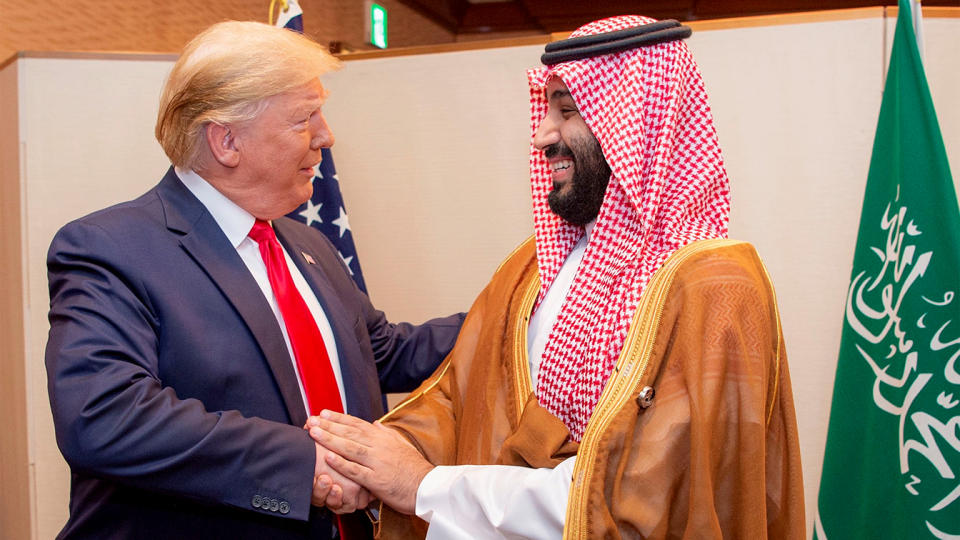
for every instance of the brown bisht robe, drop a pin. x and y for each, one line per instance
(715, 455)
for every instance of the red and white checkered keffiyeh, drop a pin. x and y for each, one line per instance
(668, 188)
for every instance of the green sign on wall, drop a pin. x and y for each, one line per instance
(378, 25)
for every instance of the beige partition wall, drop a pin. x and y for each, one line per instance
(83, 138)
(432, 157)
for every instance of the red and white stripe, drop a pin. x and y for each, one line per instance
(668, 187)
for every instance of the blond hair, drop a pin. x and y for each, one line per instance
(224, 75)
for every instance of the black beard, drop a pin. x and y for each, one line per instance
(590, 178)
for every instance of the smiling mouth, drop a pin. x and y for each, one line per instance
(561, 165)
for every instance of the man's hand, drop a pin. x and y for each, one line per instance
(372, 455)
(333, 490)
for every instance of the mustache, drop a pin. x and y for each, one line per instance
(557, 149)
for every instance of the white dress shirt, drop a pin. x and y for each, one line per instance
(235, 222)
(501, 501)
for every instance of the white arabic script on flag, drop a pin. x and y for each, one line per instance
(902, 270)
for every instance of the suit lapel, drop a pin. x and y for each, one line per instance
(346, 342)
(203, 239)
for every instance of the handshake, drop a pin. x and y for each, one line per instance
(358, 462)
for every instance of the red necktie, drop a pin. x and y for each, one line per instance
(316, 373)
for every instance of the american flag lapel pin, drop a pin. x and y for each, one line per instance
(308, 257)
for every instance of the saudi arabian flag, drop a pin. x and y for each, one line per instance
(892, 464)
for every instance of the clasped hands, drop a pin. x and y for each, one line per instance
(358, 462)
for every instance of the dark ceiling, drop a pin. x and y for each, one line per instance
(491, 16)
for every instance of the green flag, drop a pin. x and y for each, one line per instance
(892, 463)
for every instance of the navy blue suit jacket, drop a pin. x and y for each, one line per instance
(174, 398)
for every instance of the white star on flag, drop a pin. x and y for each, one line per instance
(346, 261)
(312, 213)
(343, 222)
(316, 172)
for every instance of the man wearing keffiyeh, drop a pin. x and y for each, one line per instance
(624, 372)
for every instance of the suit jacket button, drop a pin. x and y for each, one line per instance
(257, 501)
(284, 507)
(274, 505)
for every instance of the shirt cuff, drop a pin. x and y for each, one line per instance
(493, 501)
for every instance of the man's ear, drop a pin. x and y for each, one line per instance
(222, 142)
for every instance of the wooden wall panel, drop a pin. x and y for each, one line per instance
(14, 468)
(166, 25)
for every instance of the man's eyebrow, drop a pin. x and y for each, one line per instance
(304, 110)
(559, 94)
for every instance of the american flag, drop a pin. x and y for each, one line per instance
(290, 15)
(325, 210)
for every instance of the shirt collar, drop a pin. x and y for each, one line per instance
(588, 228)
(233, 220)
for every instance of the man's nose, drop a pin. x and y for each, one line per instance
(322, 136)
(547, 134)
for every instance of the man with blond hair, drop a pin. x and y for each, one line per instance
(194, 329)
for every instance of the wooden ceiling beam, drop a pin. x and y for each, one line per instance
(498, 17)
(438, 11)
(547, 16)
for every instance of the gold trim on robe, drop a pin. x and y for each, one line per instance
(715, 454)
